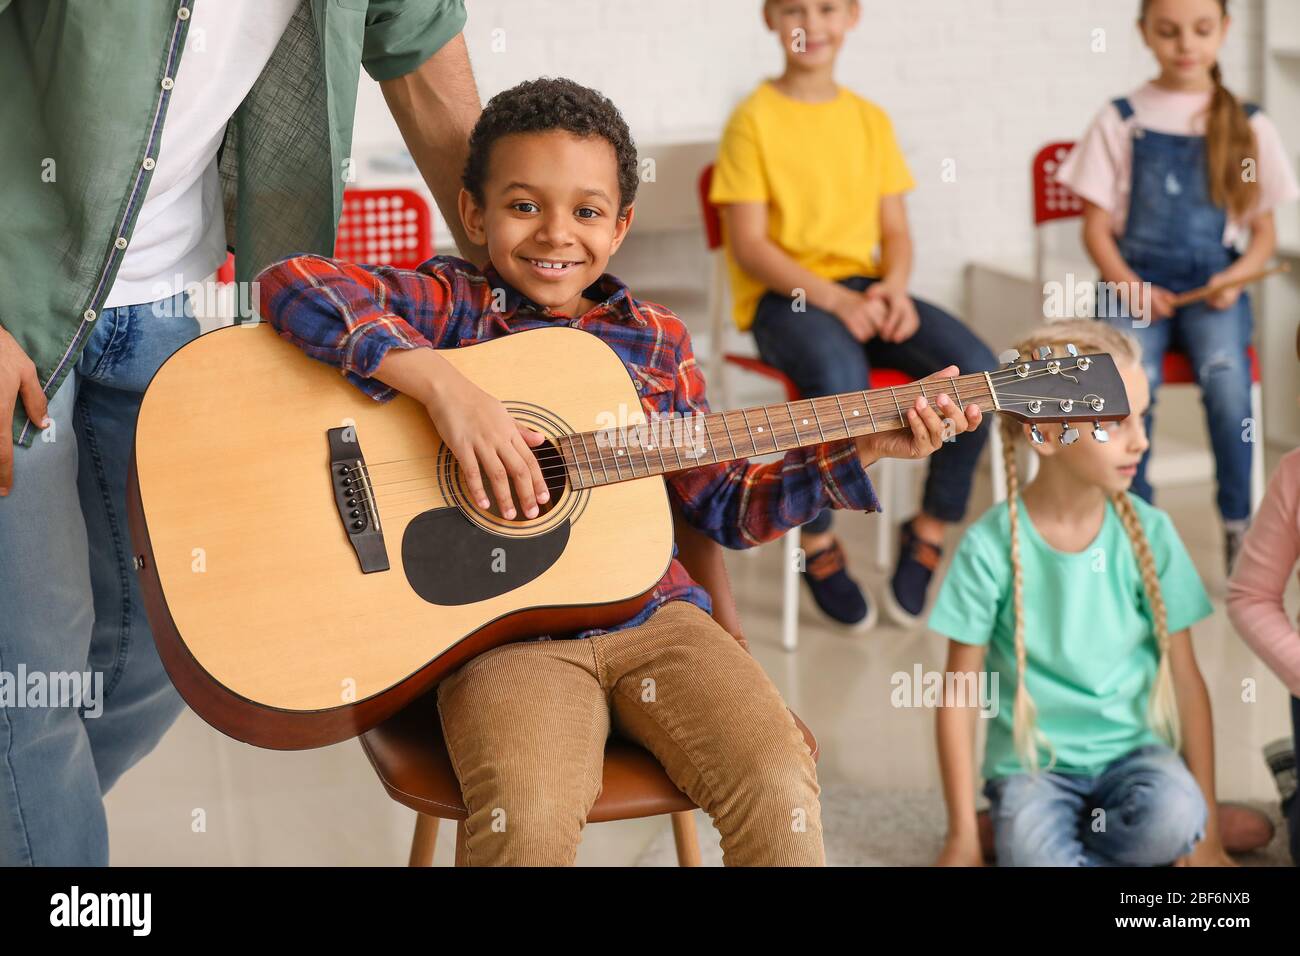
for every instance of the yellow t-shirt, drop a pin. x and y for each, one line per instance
(821, 169)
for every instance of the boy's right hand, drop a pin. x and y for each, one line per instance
(18, 379)
(960, 851)
(488, 443)
(861, 315)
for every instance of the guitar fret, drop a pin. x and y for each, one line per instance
(866, 400)
(727, 428)
(894, 396)
(848, 431)
(603, 469)
(776, 445)
(789, 410)
(812, 406)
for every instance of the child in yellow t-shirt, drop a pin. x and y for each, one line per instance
(811, 184)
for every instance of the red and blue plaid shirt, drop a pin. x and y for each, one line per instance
(350, 316)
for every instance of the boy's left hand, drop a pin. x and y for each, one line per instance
(929, 425)
(901, 320)
(1228, 297)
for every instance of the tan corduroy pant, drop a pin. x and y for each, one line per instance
(526, 726)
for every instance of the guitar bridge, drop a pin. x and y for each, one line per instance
(355, 497)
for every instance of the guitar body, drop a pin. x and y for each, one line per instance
(264, 612)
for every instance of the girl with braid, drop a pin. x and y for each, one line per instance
(1074, 598)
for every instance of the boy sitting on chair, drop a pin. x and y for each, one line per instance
(549, 187)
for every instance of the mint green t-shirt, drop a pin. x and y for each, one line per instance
(1089, 636)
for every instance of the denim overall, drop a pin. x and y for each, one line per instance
(1174, 238)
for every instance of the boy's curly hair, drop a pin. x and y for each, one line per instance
(551, 103)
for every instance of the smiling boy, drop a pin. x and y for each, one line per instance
(549, 188)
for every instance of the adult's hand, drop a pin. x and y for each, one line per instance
(18, 379)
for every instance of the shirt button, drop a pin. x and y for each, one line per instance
(183, 13)
(120, 242)
(89, 315)
(148, 162)
(168, 83)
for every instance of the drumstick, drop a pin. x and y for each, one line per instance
(1205, 291)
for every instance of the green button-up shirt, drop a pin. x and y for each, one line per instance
(84, 89)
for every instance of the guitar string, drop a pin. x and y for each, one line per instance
(395, 500)
(563, 467)
(1000, 375)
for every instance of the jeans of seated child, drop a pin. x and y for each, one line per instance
(1144, 809)
(820, 355)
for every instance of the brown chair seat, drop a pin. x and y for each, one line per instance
(410, 757)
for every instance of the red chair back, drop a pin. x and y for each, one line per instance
(385, 227)
(712, 219)
(379, 227)
(1053, 200)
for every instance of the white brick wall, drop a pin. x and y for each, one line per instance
(983, 82)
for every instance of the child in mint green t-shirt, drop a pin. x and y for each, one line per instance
(1088, 591)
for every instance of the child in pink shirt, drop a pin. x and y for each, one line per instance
(1267, 560)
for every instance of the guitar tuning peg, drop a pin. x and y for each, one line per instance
(1035, 435)
(1044, 352)
(1009, 357)
(1100, 433)
(1069, 436)
(1071, 350)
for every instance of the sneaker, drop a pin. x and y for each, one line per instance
(910, 586)
(1281, 759)
(1234, 533)
(838, 595)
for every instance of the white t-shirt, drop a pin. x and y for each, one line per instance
(180, 235)
(1100, 167)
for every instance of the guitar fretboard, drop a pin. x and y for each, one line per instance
(659, 447)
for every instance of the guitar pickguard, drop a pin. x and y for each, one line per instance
(450, 561)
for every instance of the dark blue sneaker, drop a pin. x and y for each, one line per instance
(838, 595)
(910, 586)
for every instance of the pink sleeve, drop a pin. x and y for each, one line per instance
(1264, 566)
(1096, 168)
(1277, 179)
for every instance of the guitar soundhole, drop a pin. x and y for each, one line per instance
(554, 474)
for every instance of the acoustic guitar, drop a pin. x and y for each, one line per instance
(311, 560)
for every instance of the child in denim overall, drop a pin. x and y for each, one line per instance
(1172, 176)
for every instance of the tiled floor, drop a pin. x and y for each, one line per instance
(201, 798)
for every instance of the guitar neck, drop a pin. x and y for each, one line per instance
(678, 443)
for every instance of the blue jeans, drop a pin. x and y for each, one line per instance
(1215, 342)
(72, 601)
(1152, 813)
(823, 358)
(1292, 807)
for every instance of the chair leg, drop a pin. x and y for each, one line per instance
(997, 467)
(790, 559)
(462, 838)
(686, 838)
(884, 481)
(1257, 449)
(425, 840)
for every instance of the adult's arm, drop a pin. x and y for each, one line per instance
(435, 107)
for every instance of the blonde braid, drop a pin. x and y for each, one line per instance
(1025, 712)
(1163, 706)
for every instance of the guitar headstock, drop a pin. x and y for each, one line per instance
(1063, 389)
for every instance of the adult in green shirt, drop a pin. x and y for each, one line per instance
(139, 141)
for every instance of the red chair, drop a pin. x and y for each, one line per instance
(1054, 201)
(720, 359)
(391, 227)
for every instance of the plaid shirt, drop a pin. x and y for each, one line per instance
(350, 316)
